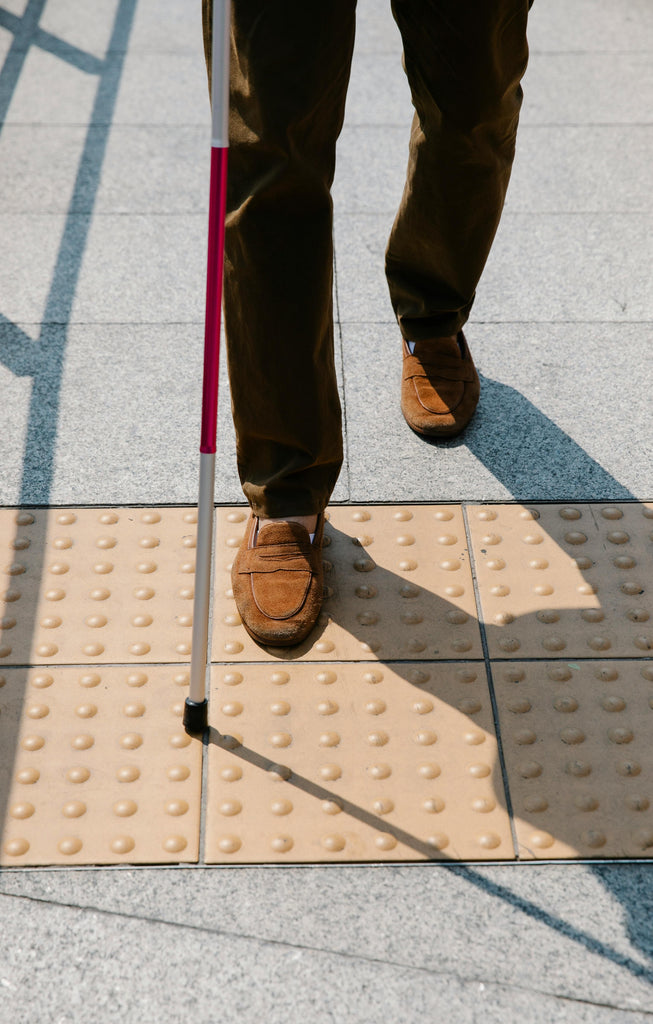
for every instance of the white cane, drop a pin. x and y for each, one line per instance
(195, 710)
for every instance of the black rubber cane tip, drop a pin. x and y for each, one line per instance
(195, 716)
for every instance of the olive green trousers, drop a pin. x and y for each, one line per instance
(290, 62)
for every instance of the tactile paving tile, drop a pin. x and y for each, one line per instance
(96, 767)
(578, 745)
(96, 585)
(398, 585)
(342, 762)
(565, 581)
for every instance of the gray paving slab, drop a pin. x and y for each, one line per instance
(560, 417)
(554, 26)
(155, 169)
(168, 26)
(591, 25)
(560, 88)
(144, 169)
(88, 27)
(48, 90)
(557, 169)
(110, 414)
(542, 267)
(163, 88)
(474, 942)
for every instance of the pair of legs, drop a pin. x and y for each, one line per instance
(290, 64)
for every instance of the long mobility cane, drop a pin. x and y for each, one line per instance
(195, 710)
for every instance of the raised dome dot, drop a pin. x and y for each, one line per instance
(572, 736)
(28, 776)
(232, 709)
(125, 808)
(103, 568)
(565, 704)
(385, 842)
(108, 518)
(579, 769)
(620, 735)
(489, 841)
(426, 737)
(530, 770)
(280, 707)
(16, 847)
(100, 594)
(232, 773)
(433, 805)
(232, 678)
(383, 806)
(69, 846)
(106, 543)
(624, 562)
(122, 844)
(569, 513)
(333, 843)
(586, 802)
(429, 770)
(535, 804)
(82, 742)
(175, 844)
(66, 518)
(281, 844)
(21, 810)
(176, 808)
(86, 710)
(629, 769)
(32, 742)
(93, 650)
(330, 772)
(282, 739)
(139, 648)
(180, 739)
(541, 840)
(131, 741)
(73, 809)
(136, 679)
(402, 515)
(128, 773)
(638, 802)
(78, 775)
(136, 710)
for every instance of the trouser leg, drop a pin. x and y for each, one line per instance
(290, 64)
(464, 60)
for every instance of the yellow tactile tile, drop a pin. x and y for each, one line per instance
(341, 762)
(398, 586)
(97, 585)
(565, 580)
(578, 744)
(95, 767)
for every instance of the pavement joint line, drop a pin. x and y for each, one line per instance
(341, 954)
(490, 682)
(352, 957)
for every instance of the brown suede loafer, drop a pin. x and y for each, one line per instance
(277, 580)
(439, 387)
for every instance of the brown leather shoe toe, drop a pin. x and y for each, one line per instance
(277, 580)
(439, 387)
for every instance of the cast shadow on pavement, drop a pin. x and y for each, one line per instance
(42, 361)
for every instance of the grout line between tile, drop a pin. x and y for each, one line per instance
(490, 680)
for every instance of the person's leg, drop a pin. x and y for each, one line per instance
(464, 60)
(290, 65)
(290, 62)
